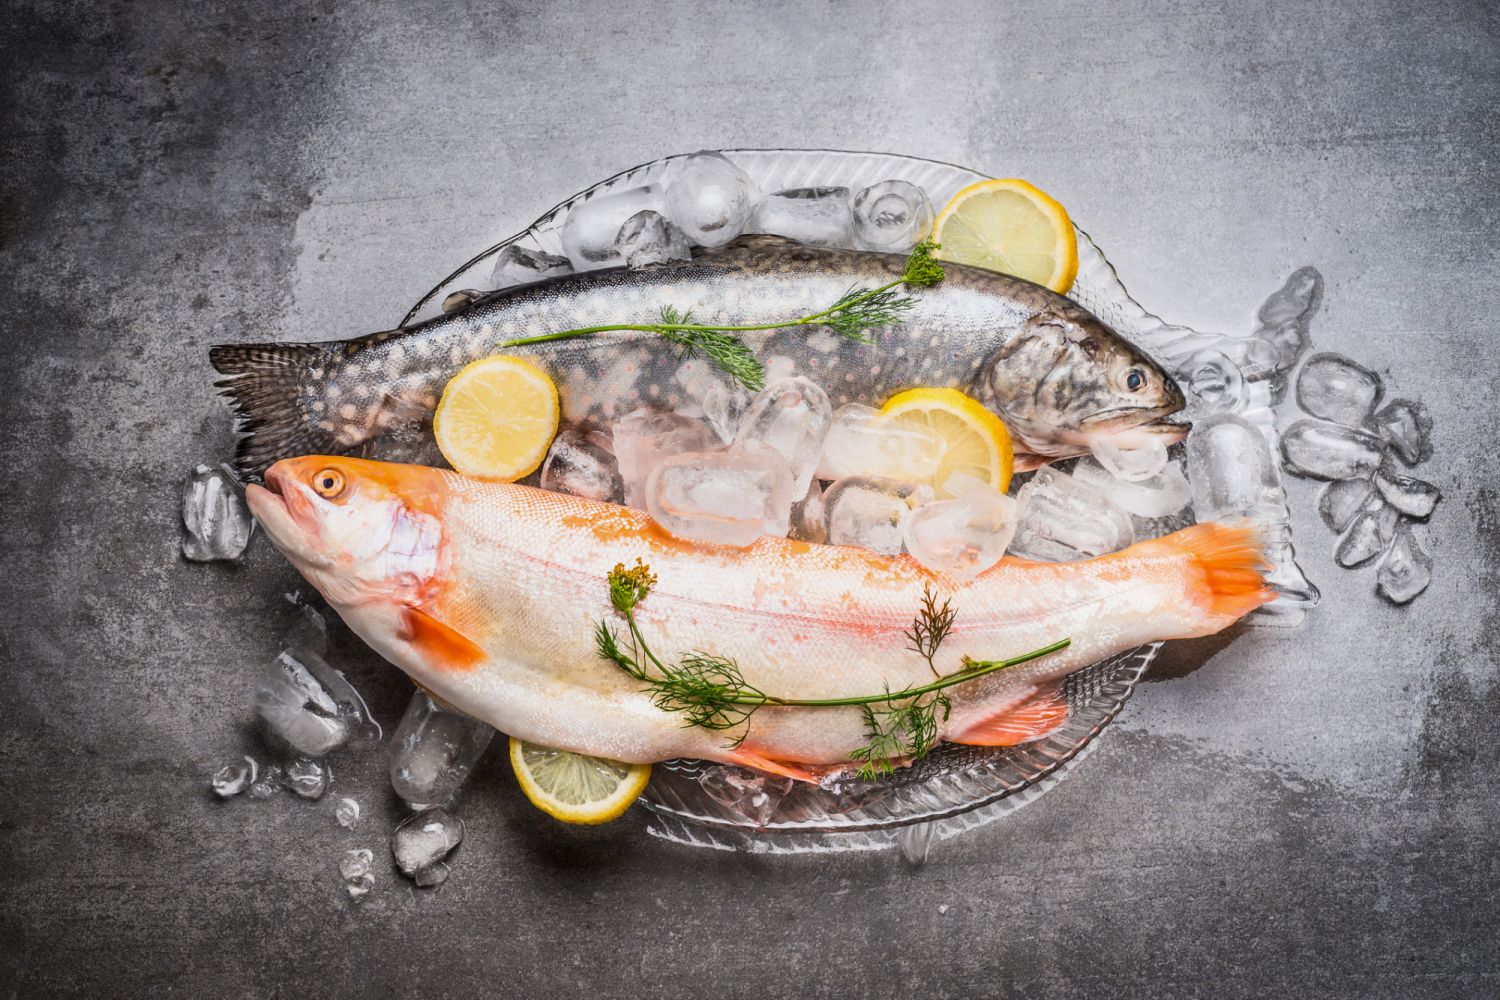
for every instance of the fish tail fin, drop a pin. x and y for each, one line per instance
(264, 387)
(1227, 567)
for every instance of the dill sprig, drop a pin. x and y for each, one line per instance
(712, 693)
(930, 627)
(856, 313)
(908, 729)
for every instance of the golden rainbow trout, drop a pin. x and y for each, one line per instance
(491, 596)
(1053, 372)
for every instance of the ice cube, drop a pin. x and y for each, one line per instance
(591, 229)
(360, 887)
(1342, 499)
(818, 216)
(869, 512)
(1406, 427)
(347, 701)
(1163, 494)
(214, 513)
(355, 863)
(308, 631)
(862, 441)
(354, 869)
(750, 794)
(520, 265)
(807, 516)
(962, 537)
(648, 238)
(234, 777)
(298, 708)
(1215, 381)
(710, 199)
(1334, 388)
(721, 404)
(434, 750)
(1406, 569)
(346, 813)
(1131, 465)
(425, 839)
(791, 415)
(727, 497)
(433, 874)
(307, 777)
(1285, 317)
(915, 841)
(1229, 467)
(266, 783)
(891, 216)
(580, 463)
(1362, 541)
(1412, 497)
(1329, 451)
(1060, 519)
(645, 437)
(461, 299)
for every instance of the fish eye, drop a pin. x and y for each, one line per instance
(1135, 380)
(329, 483)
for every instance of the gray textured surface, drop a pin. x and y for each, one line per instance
(1279, 814)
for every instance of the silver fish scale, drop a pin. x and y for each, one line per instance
(944, 340)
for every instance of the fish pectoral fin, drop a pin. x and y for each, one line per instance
(1025, 461)
(1032, 719)
(443, 645)
(785, 768)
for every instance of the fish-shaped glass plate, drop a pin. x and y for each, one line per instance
(955, 788)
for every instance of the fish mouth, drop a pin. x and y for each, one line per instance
(1168, 427)
(276, 505)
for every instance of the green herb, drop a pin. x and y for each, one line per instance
(712, 693)
(854, 315)
(930, 628)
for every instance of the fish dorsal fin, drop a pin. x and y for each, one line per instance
(443, 645)
(1032, 719)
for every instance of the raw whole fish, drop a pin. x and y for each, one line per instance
(1053, 372)
(488, 595)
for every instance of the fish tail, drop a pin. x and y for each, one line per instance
(1226, 566)
(265, 390)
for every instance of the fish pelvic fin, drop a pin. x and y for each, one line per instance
(1226, 566)
(812, 773)
(264, 387)
(1032, 719)
(443, 646)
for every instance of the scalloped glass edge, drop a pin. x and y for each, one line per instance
(992, 783)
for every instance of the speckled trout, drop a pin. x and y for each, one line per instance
(1053, 372)
(488, 595)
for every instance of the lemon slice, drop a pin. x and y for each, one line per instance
(575, 788)
(978, 444)
(1010, 226)
(497, 418)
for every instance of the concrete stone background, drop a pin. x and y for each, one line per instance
(1278, 814)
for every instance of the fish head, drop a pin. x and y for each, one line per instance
(364, 533)
(1065, 380)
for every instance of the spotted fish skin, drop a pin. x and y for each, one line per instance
(307, 398)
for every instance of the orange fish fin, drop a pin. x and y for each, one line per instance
(1032, 719)
(1231, 568)
(786, 768)
(1025, 461)
(443, 645)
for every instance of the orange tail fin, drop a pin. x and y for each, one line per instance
(1227, 566)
